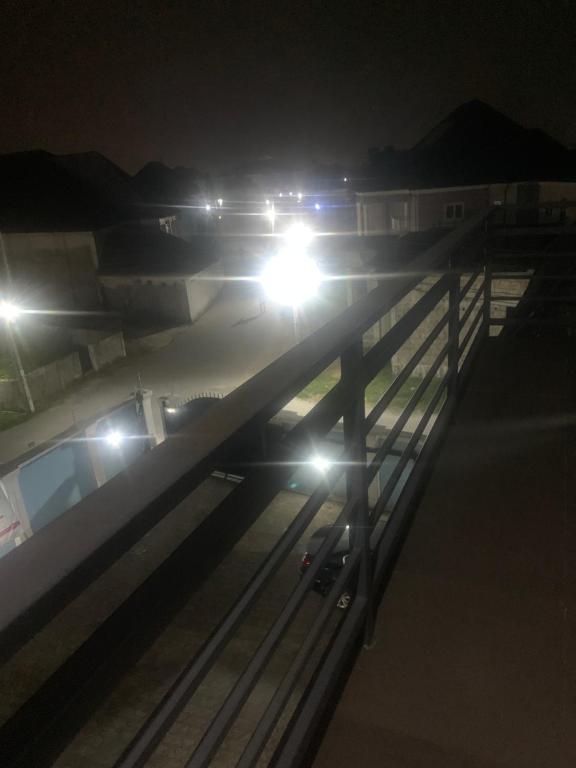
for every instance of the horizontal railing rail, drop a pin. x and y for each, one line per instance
(439, 327)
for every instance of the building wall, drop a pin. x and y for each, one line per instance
(386, 213)
(45, 383)
(202, 290)
(176, 300)
(383, 213)
(54, 269)
(557, 192)
(148, 300)
(102, 347)
(432, 205)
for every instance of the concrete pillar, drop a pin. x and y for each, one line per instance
(154, 418)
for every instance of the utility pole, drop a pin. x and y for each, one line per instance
(9, 312)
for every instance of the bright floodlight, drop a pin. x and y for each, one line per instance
(171, 410)
(9, 311)
(299, 196)
(321, 463)
(291, 279)
(317, 206)
(114, 438)
(220, 201)
(208, 207)
(270, 215)
(298, 237)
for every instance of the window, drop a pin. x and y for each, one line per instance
(168, 225)
(453, 212)
(398, 216)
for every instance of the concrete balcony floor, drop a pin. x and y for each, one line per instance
(474, 664)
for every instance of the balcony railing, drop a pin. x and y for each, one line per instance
(445, 320)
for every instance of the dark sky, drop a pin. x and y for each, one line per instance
(211, 83)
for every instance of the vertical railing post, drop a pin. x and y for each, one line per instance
(352, 360)
(487, 280)
(487, 294)
(453, 332)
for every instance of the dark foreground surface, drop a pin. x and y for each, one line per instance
(474, 664)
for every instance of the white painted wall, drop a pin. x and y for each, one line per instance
(177, 299)
(202, 289)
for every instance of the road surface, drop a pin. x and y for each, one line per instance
(232, 342)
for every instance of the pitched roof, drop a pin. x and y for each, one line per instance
(42, 192)
(102, 175)
(138, 250)
(160, 185)
(474, 144)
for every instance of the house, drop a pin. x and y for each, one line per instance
(50, 209)
(67, 219)
(153, 278)
(473, 159)
(58, 216)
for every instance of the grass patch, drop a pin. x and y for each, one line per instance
(6, 367)
(323, 383)
(12, 418)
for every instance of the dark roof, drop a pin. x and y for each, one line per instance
(104, 176)
(137, 250)
(38, 194)
(42, 192)
(474, 144)
(158, 184)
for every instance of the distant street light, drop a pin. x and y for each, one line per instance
(292, 277)
(10, 312)
(271, 216)
(298, 238)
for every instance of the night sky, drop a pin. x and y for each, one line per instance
(214, 83)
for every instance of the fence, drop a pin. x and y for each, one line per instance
(44, 382)
(95, 533)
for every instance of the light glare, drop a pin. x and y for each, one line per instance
(321, 463)
(291, 279)
(298, 237)
(9, 311)
(114, 438)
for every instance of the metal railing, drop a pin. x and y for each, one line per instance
(445, 322)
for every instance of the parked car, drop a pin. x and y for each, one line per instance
(330, 570)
